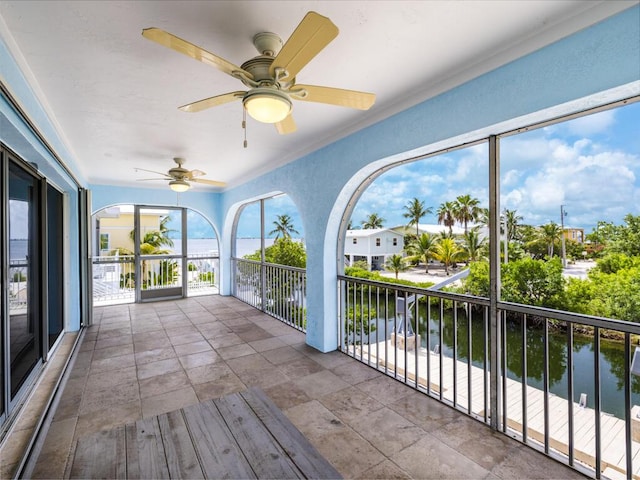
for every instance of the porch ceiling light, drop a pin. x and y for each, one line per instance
(179, 185)
(267, 105)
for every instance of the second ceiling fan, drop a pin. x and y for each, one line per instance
(270, 76)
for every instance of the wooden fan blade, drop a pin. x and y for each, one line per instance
(195, 173)
(168, 40)
(312, 34)
(211, 102)
(336, 96)
(208, 182)
(150, 179)
(152, 171)
(288, 125)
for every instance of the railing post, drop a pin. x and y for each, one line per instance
(494, 282)
(263, 267)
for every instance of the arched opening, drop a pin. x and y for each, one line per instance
(144, 253)
(269, 259)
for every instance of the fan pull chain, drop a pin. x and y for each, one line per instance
(244, 126)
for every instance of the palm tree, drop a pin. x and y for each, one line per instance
(549, 233)
(473, 245)
(448, 252)
(156, 238)
(511, 227)
(396, 263)
(415, 210)
(421, 249)
(512, 224)
(466, 209)
(283, 226)
(446, 215)
(373, 221)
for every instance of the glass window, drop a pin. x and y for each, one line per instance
(104, 241)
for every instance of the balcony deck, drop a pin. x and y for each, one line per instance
(142, 360)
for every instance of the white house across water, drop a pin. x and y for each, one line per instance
(372, 245)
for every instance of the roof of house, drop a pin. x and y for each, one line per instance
(369, 232)
(431, 228)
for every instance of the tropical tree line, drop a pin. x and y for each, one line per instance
(532, 270)
(611, 289)
(463, 210)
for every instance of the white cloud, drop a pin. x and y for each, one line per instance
(512, 177)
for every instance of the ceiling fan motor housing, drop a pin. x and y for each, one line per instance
(267, 43)
(178, 172)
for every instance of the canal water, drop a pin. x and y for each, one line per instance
(611, 357)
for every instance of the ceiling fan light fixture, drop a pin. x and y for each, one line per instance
(179, 185)
(267, 105)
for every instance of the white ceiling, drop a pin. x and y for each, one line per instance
(113, 95)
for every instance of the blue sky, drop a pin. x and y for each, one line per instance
(591, 165)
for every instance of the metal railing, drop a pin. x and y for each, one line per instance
(114, 276)
(550, 385)
(201, 274)
(277, 290)
(160, 271)
(113, 279)
(18, 278)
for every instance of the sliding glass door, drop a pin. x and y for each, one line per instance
(32, 227)
(25, 327)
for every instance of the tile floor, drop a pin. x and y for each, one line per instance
(145, 359)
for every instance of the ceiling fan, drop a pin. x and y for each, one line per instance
(179, 177)
(270, 76)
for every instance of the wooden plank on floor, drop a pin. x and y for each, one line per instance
(101, 455)
(305, 456)
(217, 450)
(145, 450)
(182, 460)
(263, 454)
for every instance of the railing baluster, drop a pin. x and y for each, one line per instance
(486, 386)
(503, 340)
(570, 390)
(369, 326)
(405, 315)
(469, 360)
(395, 335)
(386, 332)
(377, 326)
(455, 353)
(627, 405)
(596, 394)
(441, 347)
(416, 346)
(545, 374)
(523, 324)
(428, 342)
